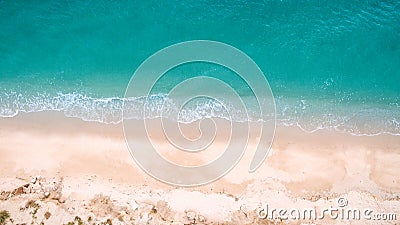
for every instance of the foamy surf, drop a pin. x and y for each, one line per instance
(307, 115)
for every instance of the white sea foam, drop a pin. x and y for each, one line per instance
(310, 117)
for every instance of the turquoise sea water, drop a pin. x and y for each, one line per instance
(330, 64)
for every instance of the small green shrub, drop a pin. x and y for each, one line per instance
(4, 215)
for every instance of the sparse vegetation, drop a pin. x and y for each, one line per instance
(47, 215)
(31, 204)
(79, 220)
(4, 215)
(108, 222)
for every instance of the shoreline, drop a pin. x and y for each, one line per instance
(375, 124)
(94, 164)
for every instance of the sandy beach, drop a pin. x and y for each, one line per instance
(58, 170)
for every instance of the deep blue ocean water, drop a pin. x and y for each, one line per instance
(330, 64)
